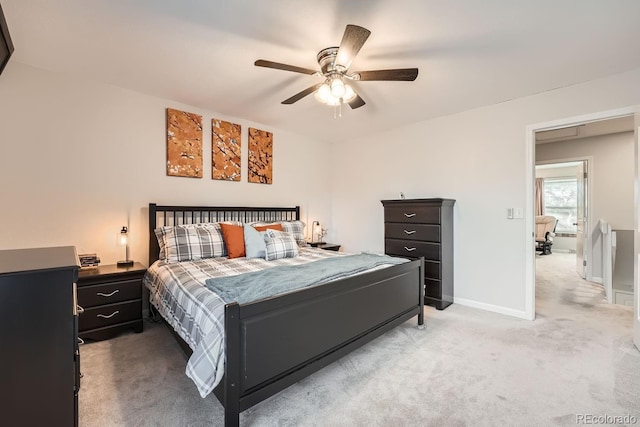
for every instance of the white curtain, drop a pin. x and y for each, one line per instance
(539, 196)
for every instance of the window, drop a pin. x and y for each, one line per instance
(560, 200)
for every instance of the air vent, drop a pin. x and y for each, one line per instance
(558, 133)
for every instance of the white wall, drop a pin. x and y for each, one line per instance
(613, 173)
(79, 159)
(477, 157)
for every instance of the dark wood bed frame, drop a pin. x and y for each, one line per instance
(275, 342)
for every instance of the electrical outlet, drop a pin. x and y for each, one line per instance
(518, 213)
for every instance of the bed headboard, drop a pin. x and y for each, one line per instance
(176, 215)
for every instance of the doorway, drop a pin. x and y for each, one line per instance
(562, 192)
(572, 131)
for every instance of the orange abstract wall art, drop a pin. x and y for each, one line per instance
(260, 156)
(184, 144)
(225, 150)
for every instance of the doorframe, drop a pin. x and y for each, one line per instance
(588, 197)
(530, 168)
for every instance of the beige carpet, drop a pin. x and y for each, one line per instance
(468, 368)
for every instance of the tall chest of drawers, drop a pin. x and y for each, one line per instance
(424, 227)
(39, 360)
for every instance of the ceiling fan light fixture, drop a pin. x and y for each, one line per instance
(333, 101)
(337, 87)
(335, 63)
(323, 93)
(349, 94)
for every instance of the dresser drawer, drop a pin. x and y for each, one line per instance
(412, 214)
(412, 249)
(109, 293)
(426, 233)
(111, 314)
(432, 270)
(432, 288)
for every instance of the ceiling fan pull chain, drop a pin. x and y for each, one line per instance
(337, 110)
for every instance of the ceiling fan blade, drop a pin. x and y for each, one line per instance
(298, 96)
(352, 41)
(285, 67)
(356, 102)
(403, 74)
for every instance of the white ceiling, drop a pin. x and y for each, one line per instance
(201, 52)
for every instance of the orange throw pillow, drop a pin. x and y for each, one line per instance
(268, 227)
(234, 239)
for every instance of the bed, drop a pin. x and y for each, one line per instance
(274, 342)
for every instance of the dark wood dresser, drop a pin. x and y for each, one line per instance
(39, 360)
(424, 227)
(110, 298)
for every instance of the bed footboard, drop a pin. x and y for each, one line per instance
(273, 343)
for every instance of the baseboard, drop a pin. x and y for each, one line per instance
(596, 280)
(493, 308)
(562, 250)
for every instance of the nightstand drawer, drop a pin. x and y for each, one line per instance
(411, 249)
(109, 293)
(111, 314)
(426, 233)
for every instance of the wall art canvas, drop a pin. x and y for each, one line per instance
(225, 150)
(260, 156)
(184, 144)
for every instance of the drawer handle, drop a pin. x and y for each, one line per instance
(410, 249)
(100, 294)
(109, 316)
(409, 233)
(79, 309)
(409, 215)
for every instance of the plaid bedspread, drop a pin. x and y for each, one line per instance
(178, 292)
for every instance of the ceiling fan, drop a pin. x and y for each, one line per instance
(334, 67)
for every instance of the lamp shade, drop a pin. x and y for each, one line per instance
(337, 88)
(123, 236)
(123, 240)
(349, 93)
(323, 93)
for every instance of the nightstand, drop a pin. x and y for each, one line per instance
(111, 300)
(326, 246)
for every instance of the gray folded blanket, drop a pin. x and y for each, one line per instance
(255, 285)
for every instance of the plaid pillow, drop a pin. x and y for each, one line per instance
(279, 244)
(190, 242)
(296, 228)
